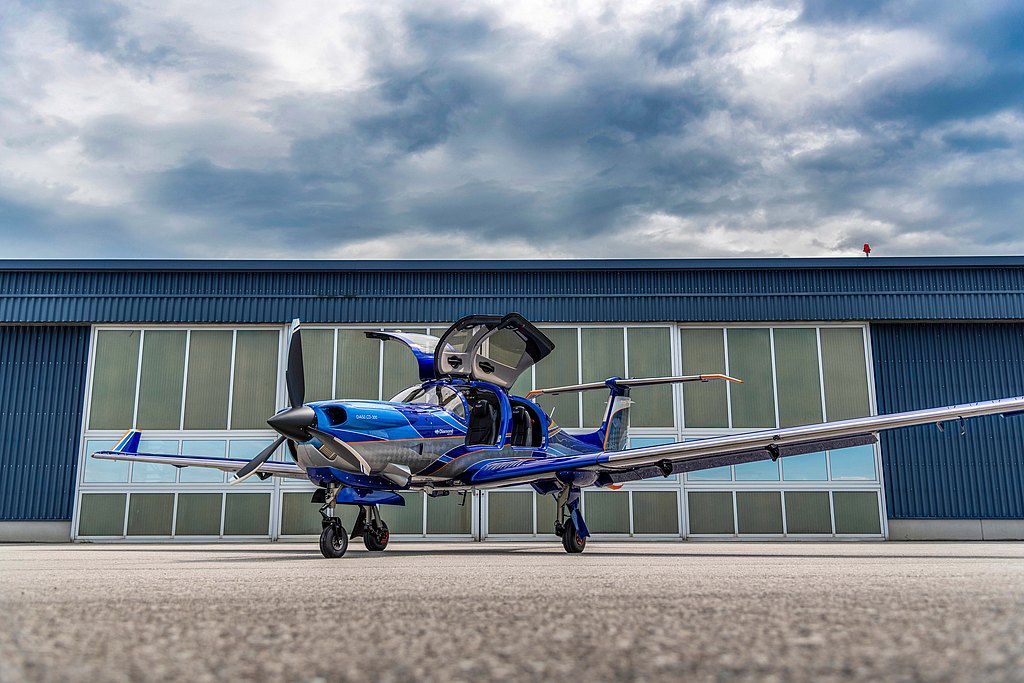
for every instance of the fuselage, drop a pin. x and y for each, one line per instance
(437, 430)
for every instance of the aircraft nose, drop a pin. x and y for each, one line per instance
(294, 422)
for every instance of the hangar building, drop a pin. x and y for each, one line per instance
(191, 353)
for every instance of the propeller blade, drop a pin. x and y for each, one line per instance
(254, 464)
(295, 376)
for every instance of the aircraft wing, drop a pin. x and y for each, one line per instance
(661, 461)
(126, 450)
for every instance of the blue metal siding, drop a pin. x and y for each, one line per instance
(583, 293)
(944, 475)
(42, 385)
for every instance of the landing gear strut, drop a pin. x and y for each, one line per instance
(570, 525)
(333, 539)
(372, 528)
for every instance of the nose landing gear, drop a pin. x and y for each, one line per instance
(334, 538)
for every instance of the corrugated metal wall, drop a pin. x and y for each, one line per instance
(42, 385)
(586, 294)
(942, 474)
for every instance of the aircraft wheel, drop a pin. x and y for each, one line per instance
(376, 539)
(333, 541)
(572, 541)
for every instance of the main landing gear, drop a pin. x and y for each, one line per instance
(334, 539)
(570, 525)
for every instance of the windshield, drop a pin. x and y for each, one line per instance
(439, 395)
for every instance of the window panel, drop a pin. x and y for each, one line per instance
(845, 370)
(446, 516)
(607, 512)
(759, 512)
(655, 512)
(558, 369)
(704, 403)
(318, 363)
(762, 470)
(723, 473)
(209, 370)
(400, 367)
(247, 514)
(510, 512)
(358, 366)
(523, 384)
(253, 396)
(807, 512)
(163, 371)
(710, 512)
(207, 449)
(103, 471)
(299, 516)
(856, 512)
(603, 355)
(806, 467)
(546, 513)
(407, 519)
(650, 355)
(101, 514)
(113, 381)
(796, 370)
(750, 359)
(151, 471)
(150, 514)
(853, 464)
(198, 514)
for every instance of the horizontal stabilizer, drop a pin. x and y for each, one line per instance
(613, 382)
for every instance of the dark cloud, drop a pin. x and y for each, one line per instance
(722, 128)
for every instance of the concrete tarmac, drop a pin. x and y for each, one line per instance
(514, 611)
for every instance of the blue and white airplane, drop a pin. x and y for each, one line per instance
(461, 428)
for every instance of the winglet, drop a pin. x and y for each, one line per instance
(129, 443)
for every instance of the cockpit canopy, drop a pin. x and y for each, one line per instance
(482, 347)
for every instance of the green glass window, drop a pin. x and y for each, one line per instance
(704, 403)
(358, 366)
(853, 464)
(198, 514)
(558, 369)
(299, 516)
(759, 512)
(655, 512)
(247, 514)
(510, 512)
(607, 512)
(113, 382)
(856, 512)
(807, 512)
(650, 355)
(150, 514)
(750, 359)
(207, 449)
(209, 371)
(845, 370)
(151, 471)
(163, 371)
(103, 471)
(446, 516)
(101, 514)
(400, 367)
(406, 519)
(318, 363)
(710, 512)
(546, 514)
(255, 380)
(796, 370)
(603, 355)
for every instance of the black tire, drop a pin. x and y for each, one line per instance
(333, 541)
(376, 540)
(571, 540)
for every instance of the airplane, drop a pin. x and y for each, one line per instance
(461, 429)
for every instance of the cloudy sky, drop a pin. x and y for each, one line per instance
(510, 129)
